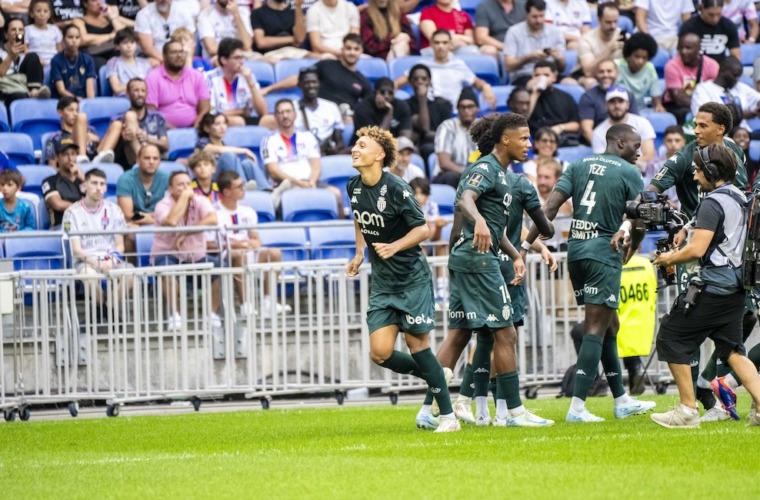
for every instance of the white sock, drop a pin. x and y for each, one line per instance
(426, 409)
(622, 400)
(481, 405)
(689, 411)
(703, 383)
(731, 381)
(577, 405)
(514, 412)
(450, 416)
(464, 399)
(501, 408)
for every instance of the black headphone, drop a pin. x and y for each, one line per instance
(709, 168)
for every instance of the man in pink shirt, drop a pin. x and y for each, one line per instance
(182, 208)
(176, 91)
(683, 72)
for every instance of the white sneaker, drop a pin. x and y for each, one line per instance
(633, 407)
(676, 418)
(449, 376)
(215, 320)
(82, 159)
(251, 185)
(483, 420)
(426, 421)
(463, 411)
(528, 419)
(174, 323)
(448, 425)
(499, 422)
(268, 303)
(105, 156)
(715, 414)
(583, 416)
(246, 309)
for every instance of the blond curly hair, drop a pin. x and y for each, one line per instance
(385, 140)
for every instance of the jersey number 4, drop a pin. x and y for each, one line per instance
(589, 197)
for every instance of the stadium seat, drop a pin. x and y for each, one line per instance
(289, 67)
(373, 68)
(34, 201)
(17, 147)
(5, 162)
(348, 133)
(754, 125)
(576, 91)
(573, 153)
(35, 117)
(469, 6)
(171, 166)
(181, 142)
(101, 110)
(273, 97)
(336, 170)
(35, 253)
(247, 137)
(659, 121)
(754, 150)
(571, 59)
(4, 123)
(749, 52)
(400, 65)
(143, 244)
(485, 67)
(261, 202)
(625, 23)
(660, 60)
(291, 240)
(263, 71)
(308, 205)
(502, 94)
(333, 242)
(402, 95)
(444, 196)
(34, 175)
(112, 170)
(418, 161)
(104, 86)
(432, 163)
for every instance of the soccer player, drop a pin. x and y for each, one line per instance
(600, 186)
(388, 217)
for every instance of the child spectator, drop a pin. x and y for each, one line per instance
(637, 73)
(122, 69)
(72, 72)
(433, 217)
(43, 38)
(187, 39)
(203, 166)
(404, 167)
(741, 137)
(15, 214)
(74, 126)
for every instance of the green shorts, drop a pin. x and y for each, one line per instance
(477, 300)
(595, 283)
(412, 310)
(519, 298)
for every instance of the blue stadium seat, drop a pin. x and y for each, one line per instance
(754, 124)
(749, 52)
(34, 201)
(17, 147)
(104, 86)
(573, 153)
(443, 195)
(571, 59)
(4, 123)
(754, 150)
(247, 137)
(35, 117)
(660, 60)
(172, 166)
(38, 253)
(418, 161)
(181, 142)
(261, 202)
(660, 121)
(348, 133)
(100, 111)
(308, 205)
(502, 94)
(625, 23)
(336, 170)
(373, 68)
(263, 71)
(432, 162)
(289, 67)
(273, 97)
(143, 243)
(485, 67)
(291, 240)
(333, 242)
(44, 140)
(34, 175)
(402, 95)
(5, 162)
(576, 91)
(112, 170)
(469, 6)
(400, 65)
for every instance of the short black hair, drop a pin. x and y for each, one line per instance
(640, 41)
(535, 4)
(165, 50)
(283, 101)
(65, 101)
(225, 179)
(514, 93)
(441, 32)
(730, 63)
(227, 46)
(176, 173)
(545, 63)
(422, 184)
(706, 4)
(134, 80)
(353, 37)
(125, 34)
(382, 82)
(619, 130)
(506, 121)
(604, 6)
(95, 172)
(674, 129)
(64, 30)
(307, 70)
(720, 114)
(418, 67)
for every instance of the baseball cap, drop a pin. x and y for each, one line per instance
(61, 144)
(616, 92)
(405, 143)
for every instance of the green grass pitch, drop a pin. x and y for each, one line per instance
(376, 452)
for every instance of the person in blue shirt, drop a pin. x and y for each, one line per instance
(72, 72)
(15, 214)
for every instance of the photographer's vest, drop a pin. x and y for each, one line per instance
(722, 262)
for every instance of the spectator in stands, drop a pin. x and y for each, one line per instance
(211, 131)
(436, 223)
(182, 208)
(617, 109)
(551, 107)
(21, 72)
(571, 17)
(519, 101)
(98, 31)
(450, 74)
(74, 126)
(180, 94)
(155, 24)
(187, 39)
(243, 246)
(674, 140)
(384, 110)
(318, 116)
(545, 147)
(203, 166)
(404, 167)
(385, 31)
(292, 157)
(340, 82)
(661, 19)
(548, 172)
(72, 72)
(279, 31)
(42, 36)
(637, 73)
(63, 189)
(493, 18)
(127, 65)
(223, 20)
(728, 90)
(741, 137)
(444, 15)
(65, 11)
(530, 41)
(593, 104)
(685, 71)
(740, 12)
(603, 42)
(716, 32)
(327, 24)
(453, 144)
(15, 214)
(428, 112)
(127, 9)
(233, 88)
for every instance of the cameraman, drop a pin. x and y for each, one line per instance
(713, 304)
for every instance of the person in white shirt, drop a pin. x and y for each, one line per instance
(319, 116)
(223, 20)
(617, 108)
(43, 37)
(727, 89)
(572, 17)
(404, 167)
(662, 19)
(242, 246)
(327, 22)
(155, 24)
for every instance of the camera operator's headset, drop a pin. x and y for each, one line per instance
(709, 168)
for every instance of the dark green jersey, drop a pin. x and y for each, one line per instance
(524, 198)
(488, 179)
(678, 171)
(600, 186)
(386, 212)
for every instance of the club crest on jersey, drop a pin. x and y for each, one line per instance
(381, 203)
(506, 312)
(383, 190)
(475, 180)
(661, 174)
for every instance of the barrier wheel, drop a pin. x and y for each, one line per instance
(112, 410)
(74, 409)
(196, 404)
(531, 392)
(662, 388)
(340, 397)
(264, 403)
(394, 398)
(24, 413)
(10, 415)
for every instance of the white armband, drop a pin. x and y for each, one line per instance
(626, 228)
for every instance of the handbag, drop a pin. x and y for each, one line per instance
(13, 84)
